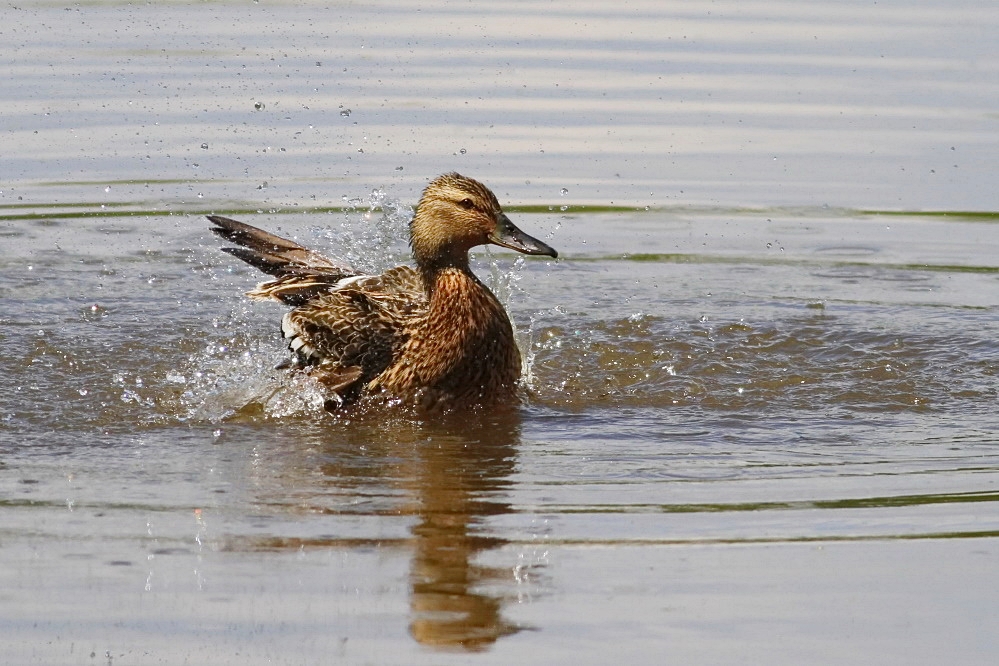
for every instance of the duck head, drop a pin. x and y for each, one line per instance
(456, 214)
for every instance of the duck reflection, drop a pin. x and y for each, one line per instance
(454, 474)
(459, 483)
(451, 476)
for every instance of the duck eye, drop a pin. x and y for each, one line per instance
(467, 204)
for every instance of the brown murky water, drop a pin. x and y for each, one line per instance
(750, 432)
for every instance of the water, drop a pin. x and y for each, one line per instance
(762, 377)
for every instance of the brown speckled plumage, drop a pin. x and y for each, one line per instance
(433, 337)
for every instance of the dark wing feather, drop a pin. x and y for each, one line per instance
(301, 273)
(264, 243)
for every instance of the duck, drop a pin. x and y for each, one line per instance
(432, 337)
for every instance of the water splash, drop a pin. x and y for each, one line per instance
(372, 236)
(529, 346)
(235, 375)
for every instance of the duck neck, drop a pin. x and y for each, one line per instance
(458, 296)
(447, 273)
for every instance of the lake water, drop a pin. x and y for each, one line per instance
(762, 378)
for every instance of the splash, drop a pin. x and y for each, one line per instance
(372, 236)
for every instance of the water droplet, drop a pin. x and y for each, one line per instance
(107, 189)
(462, 151)
(204, 146)
(83, 391)
(345, 112)
(564, 191)
(217, 433)
(259, 106)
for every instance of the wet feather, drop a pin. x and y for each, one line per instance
(432, 337)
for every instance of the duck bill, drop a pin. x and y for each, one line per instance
(509, 236)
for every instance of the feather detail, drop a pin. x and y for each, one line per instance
(278, 249)
(433, 337)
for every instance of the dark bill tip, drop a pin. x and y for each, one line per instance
(509, 236)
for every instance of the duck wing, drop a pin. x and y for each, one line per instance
(353, 332)
(300, 273)
(347, 328)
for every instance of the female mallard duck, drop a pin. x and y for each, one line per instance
(434, 337)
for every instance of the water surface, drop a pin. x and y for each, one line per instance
(760, 381)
